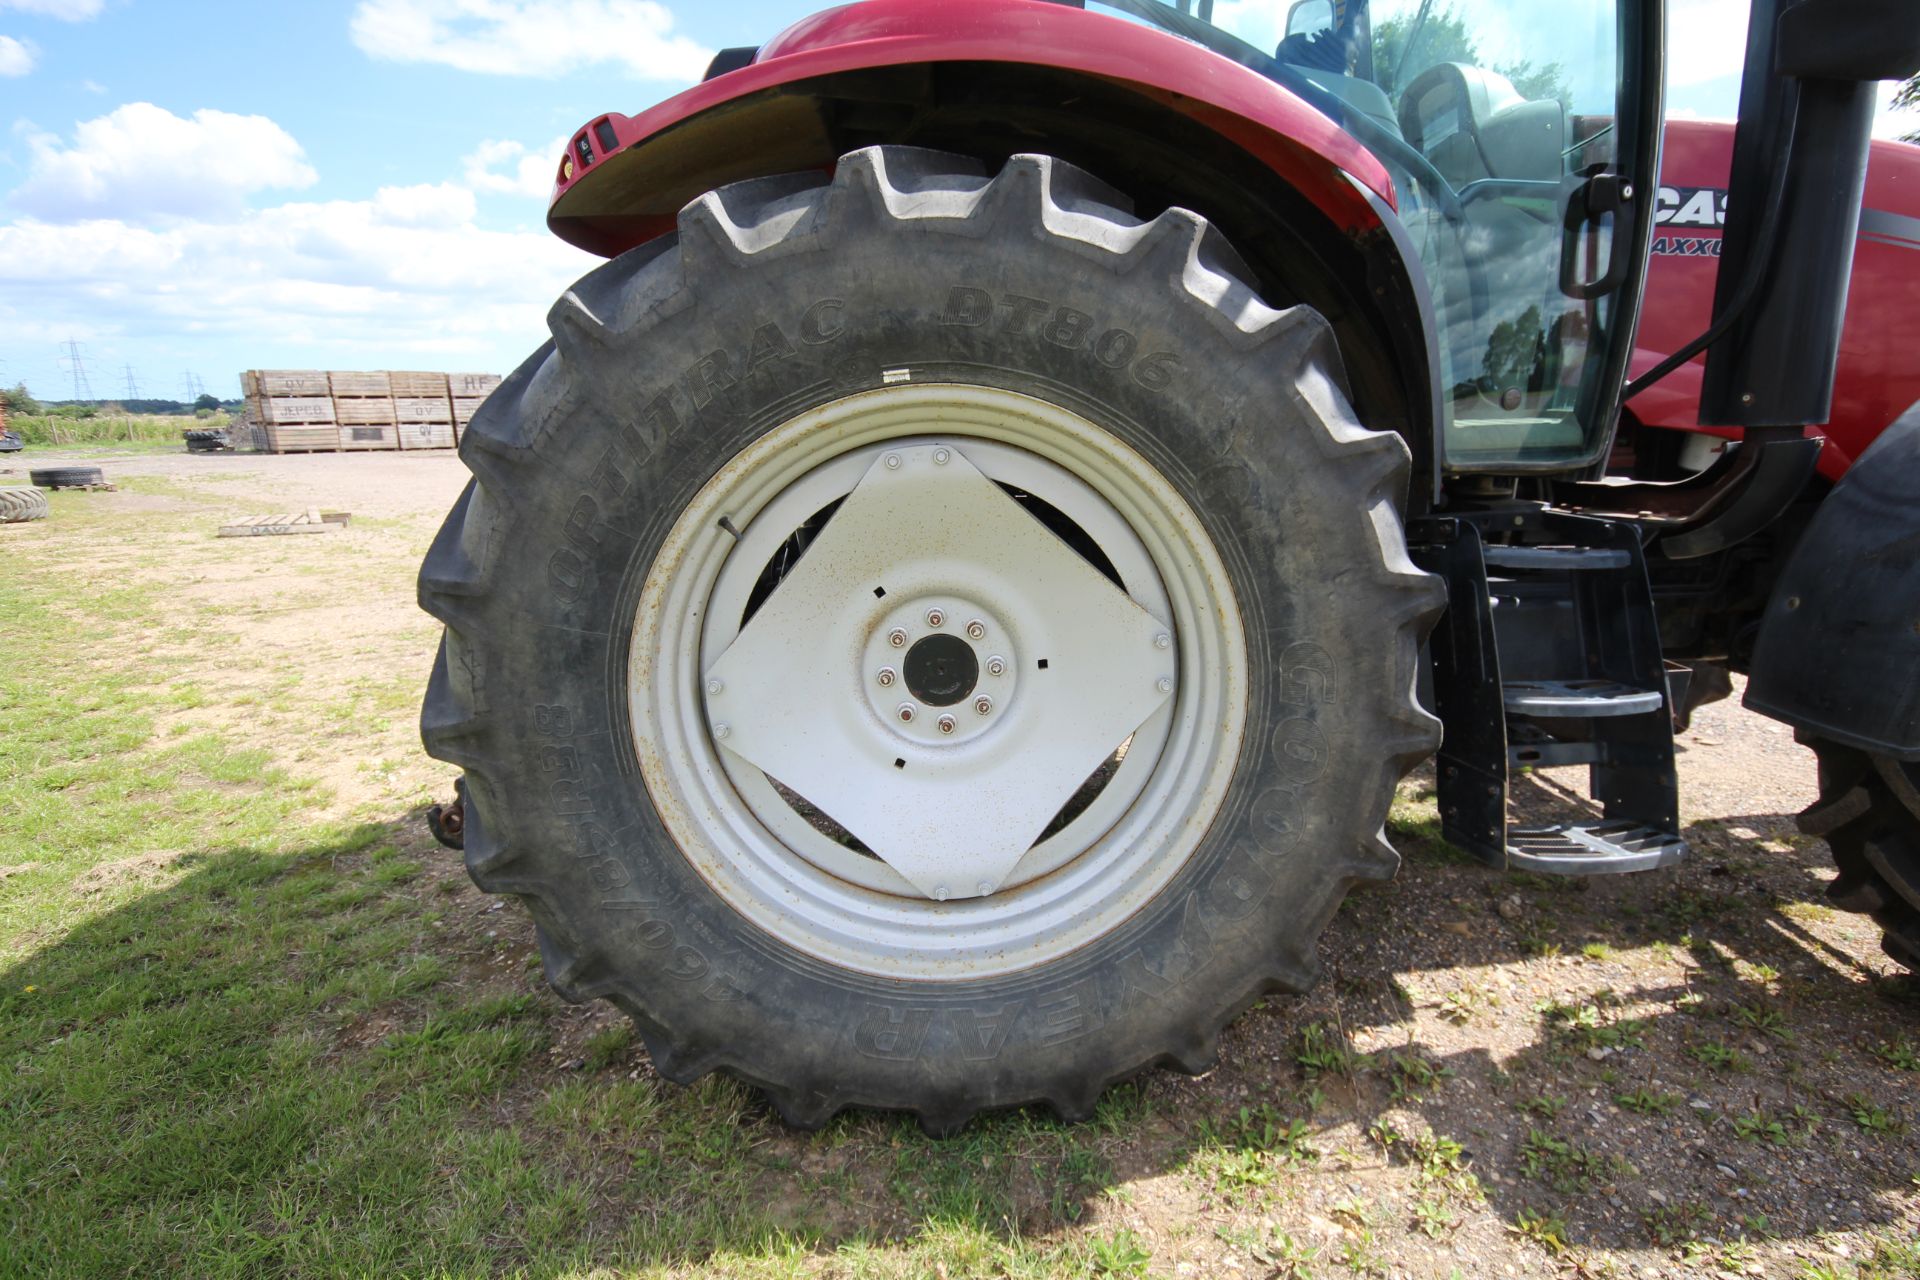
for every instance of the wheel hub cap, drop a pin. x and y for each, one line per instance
(948, 787)
(941, 670)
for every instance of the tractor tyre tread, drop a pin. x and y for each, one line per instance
(518, 449)
(20, 503)
(1869, 813)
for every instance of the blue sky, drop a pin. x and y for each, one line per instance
(202, 186)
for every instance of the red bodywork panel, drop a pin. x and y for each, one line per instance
(1879, 371)
(1301, 145)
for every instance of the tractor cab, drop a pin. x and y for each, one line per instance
(1512, 131)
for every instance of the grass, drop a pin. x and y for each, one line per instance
(119, 428)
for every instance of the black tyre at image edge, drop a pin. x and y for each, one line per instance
(780, 296)
(19, 503)
(1869, 814)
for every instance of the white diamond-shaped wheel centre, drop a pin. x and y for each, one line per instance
(952, 819)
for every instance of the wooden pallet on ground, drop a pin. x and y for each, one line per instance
(271, 523)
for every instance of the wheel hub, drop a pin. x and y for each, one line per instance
(909, 781)
(941, 669)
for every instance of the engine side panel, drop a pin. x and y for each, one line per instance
(1878, 374)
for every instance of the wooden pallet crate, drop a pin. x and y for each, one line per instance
(294, 382)
(368, 436)
(426, 435)
(350, 383)
(472, 384)
(422, 409)
(464, 407)
(298, 410)
(407, 383)
(309, 438)
(364, 411)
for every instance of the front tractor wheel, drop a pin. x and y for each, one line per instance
(927, 641)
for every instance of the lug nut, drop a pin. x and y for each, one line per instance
(887, 675)
(893, 462)
(1164, 684)
(905, 712)
(983, 704)
(714, 686)
(1162, 640)
(721, 730)
(897, 638)
(977, 630)
(939, 893)
(985, 887)
(935, 618)
(940, 457)
(996, 666)
(946, 724)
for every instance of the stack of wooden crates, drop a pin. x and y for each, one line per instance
(294, 408)
(310, 411)
(363, 406)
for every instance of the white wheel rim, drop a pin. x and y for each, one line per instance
(712, 700)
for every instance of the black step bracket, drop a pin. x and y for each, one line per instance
(1549, 655)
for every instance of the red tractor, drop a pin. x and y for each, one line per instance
(939, 624)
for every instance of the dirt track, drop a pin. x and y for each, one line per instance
(1751, 1026)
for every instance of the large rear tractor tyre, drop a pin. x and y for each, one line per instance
(1869, 814)
(929, 640)
(19, 503)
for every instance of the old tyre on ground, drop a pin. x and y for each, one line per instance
(66, 477)
(1869, 813)
(929, 641)
(18, 502)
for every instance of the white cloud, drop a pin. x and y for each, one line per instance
(16, 56)
(140, 162)
(406, 275)
(65, 10)
(529, 37)
(512, 168)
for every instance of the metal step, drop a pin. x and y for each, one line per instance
(1555, 557)
(1571, 699)
(1592, 848)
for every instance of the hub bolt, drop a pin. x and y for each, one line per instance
(721, 730)
(946, 724)
(977, 630)
(935, 617)
(940, 457)
(1162, 640)
(983, 704)
(897, 638)
(887, 675)
(1165, 684)
(996, 666)
(715, 686)
(893, 462)
(905, 712)
(985, 887)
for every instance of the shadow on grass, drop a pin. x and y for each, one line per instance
(342, 1059)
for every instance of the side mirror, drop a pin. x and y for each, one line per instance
(1848, 40)
(1308, 16)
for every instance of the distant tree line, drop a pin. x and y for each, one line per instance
(21, 402)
